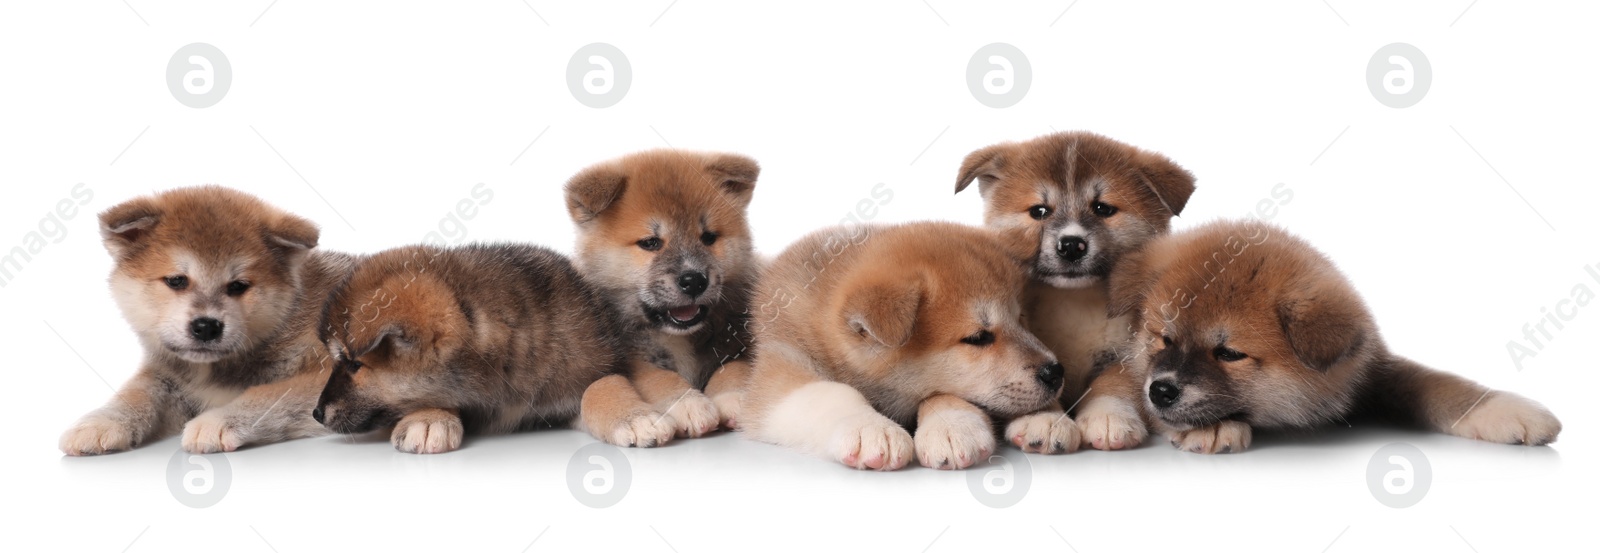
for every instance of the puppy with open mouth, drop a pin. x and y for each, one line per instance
(1241, 325)
(1070, 205)
(224, 292)
(440, 342)
(663, 234)
(863, 331)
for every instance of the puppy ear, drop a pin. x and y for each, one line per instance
(293, 234)
(593, 190)
(736, 175)
(884, 312)
(981, 165)
(399, 338)
(1323, 326)
(1171, 184)
(1130, 281)
(124, 225)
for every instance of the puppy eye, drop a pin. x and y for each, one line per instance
(1223, 353)
(982, 338)
(1103, 209)
(650, 244)
(708, 238)
(1166, 340)
(237, 287)
(179, 282)
(351, 366)
(1039, 212)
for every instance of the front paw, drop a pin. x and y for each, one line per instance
(96, 435)
(1508, 418)
(1111, 427)
(1046, 432)
(642, 429)
(873, 442)
(1223, 437)
(693, 415)
(953, 440)
(211, 433)
(428, 431)
(728, 407)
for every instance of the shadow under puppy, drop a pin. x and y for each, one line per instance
(862, 331)
(664, 235)
(224, 292)
(1242, 325)
(479, 338)
(1071, 205)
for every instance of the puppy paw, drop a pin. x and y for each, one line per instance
(428, 431)
(1110, 429)
(693, 415)
(1508, 418)
(728, 404)
(97, 435)
(211, 433)
(953, 440)
(643, 429)
(1044, 432)
(1223, 437)
(873, 442)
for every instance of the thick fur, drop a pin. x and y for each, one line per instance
(862, 331)
(1299, 347)
(1065, 175)
(480, 338)
(645, 222)
(255, 381)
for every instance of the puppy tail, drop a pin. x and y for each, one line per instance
(1403, 391)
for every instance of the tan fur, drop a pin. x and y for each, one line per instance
(256, 381)
(681, 200)
(859, 332)
(1066, 302)
(1312, 353)
(480, 338)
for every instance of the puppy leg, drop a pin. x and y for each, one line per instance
(691, 412)
(1049, 431)
(141, 410)
(428, 431)
(951, 433)
(262, 414)
(1223, 437)
(1109, 414)
(790, 405)
(613, 412)
(1446, 403)
(726, 390)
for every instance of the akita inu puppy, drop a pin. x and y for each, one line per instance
(664, 235)
(1075, 203)
(861, 331)
(480, 338)
(224, 292)
(1242, 325)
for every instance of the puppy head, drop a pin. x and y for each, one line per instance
(1071, 204)
(664, 231)
(391, 332)
(935, 308)
(205, 272)
(1241, 321)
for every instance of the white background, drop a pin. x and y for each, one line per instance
(387, 113)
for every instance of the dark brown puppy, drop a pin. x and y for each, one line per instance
(480, 338)
(1070, 206)
(1242, 325)
(224, 292)
(664, 235)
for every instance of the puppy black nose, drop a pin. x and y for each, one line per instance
(1072, 248)
(317, 414)
(693, 283)
(205, 329)
(1164, 393)
(1051, 375)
